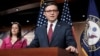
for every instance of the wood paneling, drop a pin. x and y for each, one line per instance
(79, 27)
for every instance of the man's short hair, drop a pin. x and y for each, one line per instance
(48, 3)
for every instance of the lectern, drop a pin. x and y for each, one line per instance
(52, 51)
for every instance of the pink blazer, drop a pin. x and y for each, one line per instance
(18, 44)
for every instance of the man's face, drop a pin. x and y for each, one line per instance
(93, 33)
(51, 13)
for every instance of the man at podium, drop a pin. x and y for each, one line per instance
(54, 33)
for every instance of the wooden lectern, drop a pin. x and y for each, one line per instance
(54, 51)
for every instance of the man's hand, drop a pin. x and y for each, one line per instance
(72, 49)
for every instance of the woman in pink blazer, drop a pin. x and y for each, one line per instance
(15, 39)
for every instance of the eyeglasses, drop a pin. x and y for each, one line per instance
(51, 11)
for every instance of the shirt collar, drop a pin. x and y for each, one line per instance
(54, 23)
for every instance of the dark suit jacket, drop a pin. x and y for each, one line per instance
(62, 37)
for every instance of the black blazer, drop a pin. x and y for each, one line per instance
(62, 37)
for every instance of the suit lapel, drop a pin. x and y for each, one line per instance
(55, 33)
(44, 31)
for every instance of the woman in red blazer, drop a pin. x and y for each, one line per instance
(15, 39)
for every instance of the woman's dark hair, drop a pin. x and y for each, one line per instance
(19, 35)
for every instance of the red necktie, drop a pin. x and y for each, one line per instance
(50, 32)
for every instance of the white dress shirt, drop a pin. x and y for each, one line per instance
(53, 26)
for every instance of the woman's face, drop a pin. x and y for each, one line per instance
(15, 29)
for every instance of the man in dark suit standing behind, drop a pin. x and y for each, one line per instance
(55, 33)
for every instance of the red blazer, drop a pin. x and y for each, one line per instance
(18, 44)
